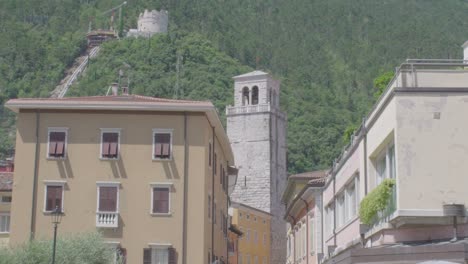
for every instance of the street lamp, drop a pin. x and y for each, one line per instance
(56, 218)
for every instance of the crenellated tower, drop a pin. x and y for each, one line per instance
(256, 128)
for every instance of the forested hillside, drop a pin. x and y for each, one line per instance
(326, 52)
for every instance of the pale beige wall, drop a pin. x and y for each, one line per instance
(432, 153)
(378, 137)
(135, 170)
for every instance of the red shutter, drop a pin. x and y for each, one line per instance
(53, 198)
(107, 199)
(161, 200)
(113, 149)
(52, 148)
(162, 145)
(172, 256)
(56, 144)
(110, 142)
(147, 256)
(209, 154)
(60, 149)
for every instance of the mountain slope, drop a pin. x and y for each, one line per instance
(326, 52)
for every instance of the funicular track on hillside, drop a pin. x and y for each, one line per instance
(75, 71)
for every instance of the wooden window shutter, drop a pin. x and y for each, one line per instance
(107, 199)
(56, 144)
(54, 198)
(147, 256)
(110, 144)
(161, 200)
(172, 255)
(162, 145)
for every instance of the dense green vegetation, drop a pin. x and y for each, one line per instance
(326, 52)
(79, 249)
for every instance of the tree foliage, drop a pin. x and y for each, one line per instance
(78, 249)
(381, 82)
(326, 52)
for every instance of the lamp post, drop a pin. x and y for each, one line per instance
(56, 217)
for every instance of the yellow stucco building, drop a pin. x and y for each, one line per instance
(152, 175)
(254, 244)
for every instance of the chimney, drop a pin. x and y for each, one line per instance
(115, 89)
(465, 52)
(125, 90)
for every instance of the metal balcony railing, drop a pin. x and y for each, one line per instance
(107, 220)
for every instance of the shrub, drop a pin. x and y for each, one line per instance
(78, 249)
(377, 200)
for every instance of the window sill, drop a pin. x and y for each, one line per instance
(56, 158)
(161, 159)
(109, 159)
(161, 214)
(51, 212)
(345, 225)
(5, 233)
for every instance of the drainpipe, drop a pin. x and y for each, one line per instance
(307, 228)
(334, 211)
(365, 155)
(184, 231)
(35, 180)
(321, 226)
(212, 192)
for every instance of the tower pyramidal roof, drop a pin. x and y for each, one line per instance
(250, 74)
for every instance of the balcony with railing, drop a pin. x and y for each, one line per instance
(259, 108)
(107, 219)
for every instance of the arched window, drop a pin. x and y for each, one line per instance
(245, 96)
(255, 95)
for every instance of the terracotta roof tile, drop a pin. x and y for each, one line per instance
(112, 98)
(6, 181)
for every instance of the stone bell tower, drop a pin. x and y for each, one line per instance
(256, 128)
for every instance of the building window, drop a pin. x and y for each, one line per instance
(162, 144)
(329, 221)
(255, 260)
(311, 236)
(255, 95)
(159, 255)
(245, 96)
(247, 235)
(247, 216)
(209, 206)
(255, 219)
(240, 215)
(53, 197)
(110, 144)
(340, 210)
(264, 239)
(215, 162)
(240, 258)
(214, 213)
(210, 153)
(108, 198)
(264, 260)
(255, 237)
(385, 164)
(160, 199)
(4, 223)
(57, 143)
(5, 199)
(247, 259)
